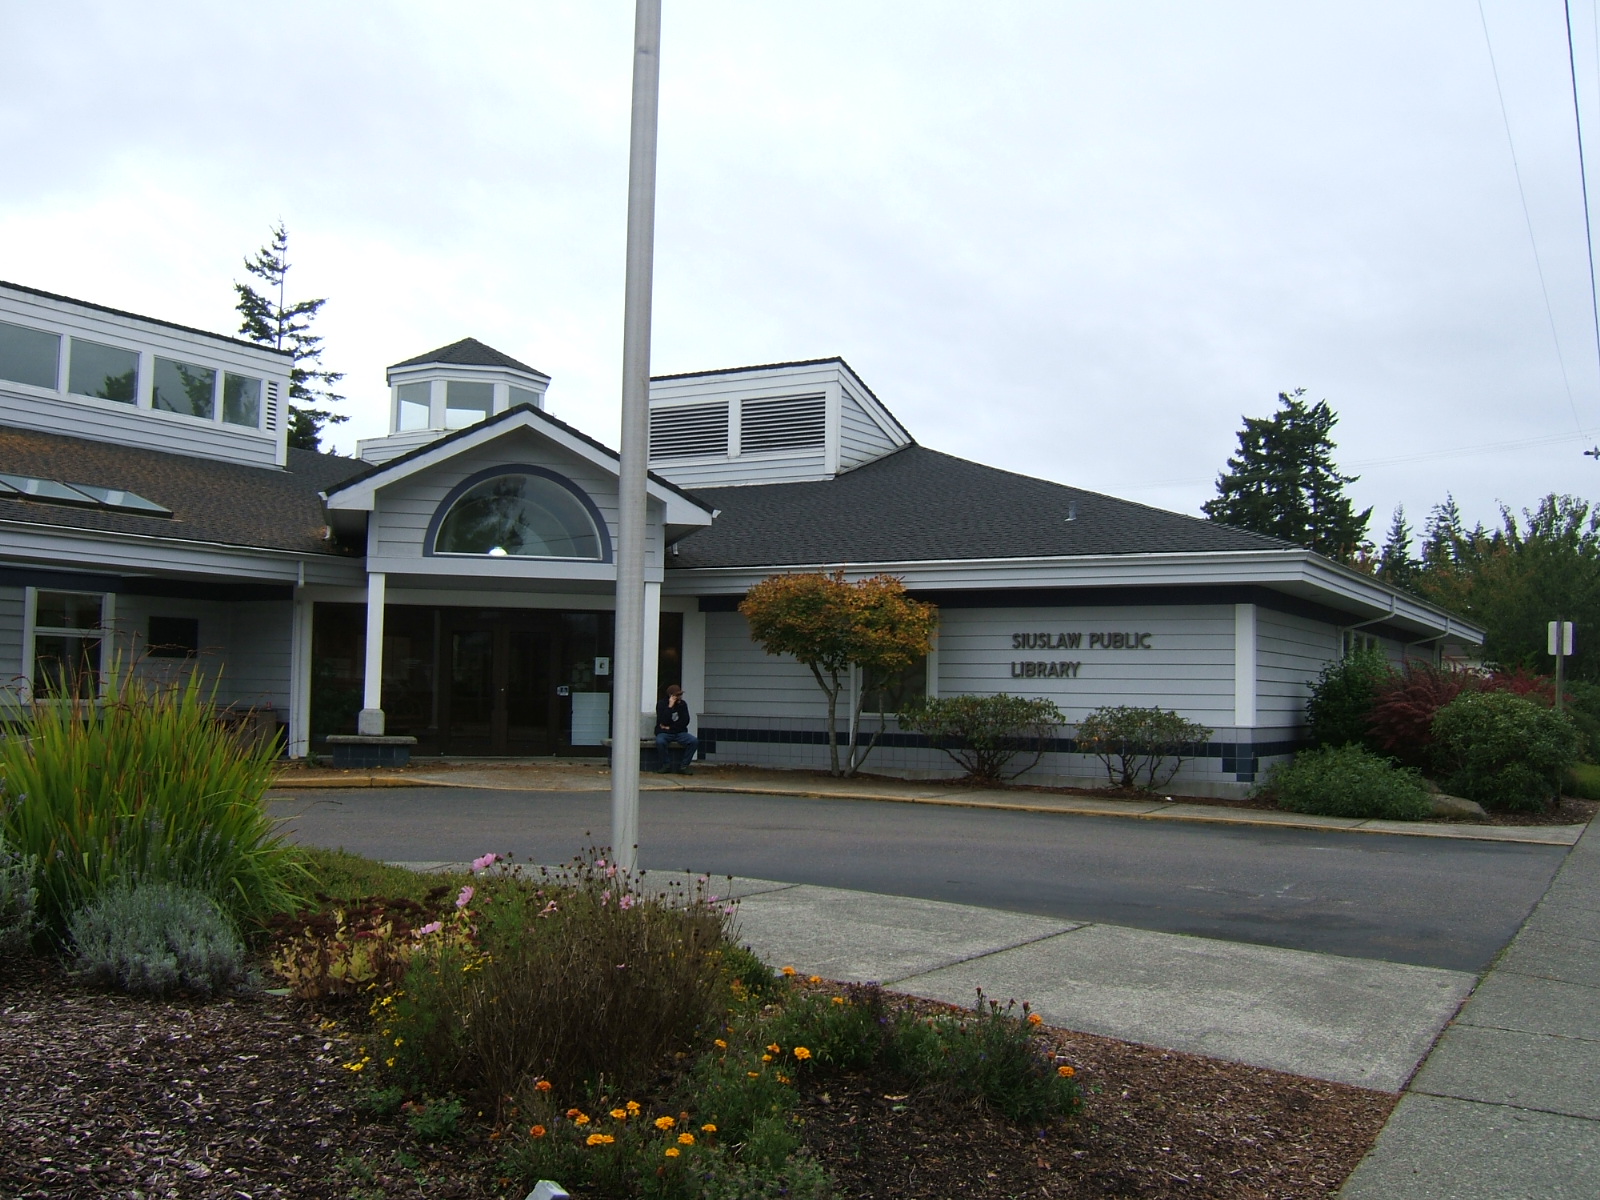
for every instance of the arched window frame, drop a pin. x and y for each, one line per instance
(429, 544)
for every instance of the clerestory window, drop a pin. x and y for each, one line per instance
(518, 514)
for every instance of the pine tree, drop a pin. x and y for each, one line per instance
(1283, 483)
(272, 322)
(1396, 566)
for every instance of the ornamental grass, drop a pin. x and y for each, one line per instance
(143, 785)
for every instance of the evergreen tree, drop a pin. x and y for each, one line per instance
(1283, 483)
(273, 322)
(1396, 567)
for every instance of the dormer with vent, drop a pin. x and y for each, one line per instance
(779, 423)
(68, 366)
(451, 388)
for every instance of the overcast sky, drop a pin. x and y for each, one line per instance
(1076, 240)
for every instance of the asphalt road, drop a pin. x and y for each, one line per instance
(1430, 901)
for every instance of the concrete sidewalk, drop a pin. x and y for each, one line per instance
(581, 776)
(1507, 1105)
(1350, 1020)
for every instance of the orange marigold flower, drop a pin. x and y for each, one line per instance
(721, 1045)
(543, 1085)
(838, 999)
(619, 1114)
(537, 1131)
(1035, 1019)
(775, 1048)
(600, 1139)
(633, 1107)
(708, 1128)
(581, 1119)
(802, 1053)
(1065, 1072)
(574, 1112)
(790, 971)
(686, 1139)
(665, 1123)
(673, 1152)
(782, 1078)
(766, 1058)
(753, 1074)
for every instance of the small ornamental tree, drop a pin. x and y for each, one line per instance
(837, 628)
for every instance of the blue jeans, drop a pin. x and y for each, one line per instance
(664, 744)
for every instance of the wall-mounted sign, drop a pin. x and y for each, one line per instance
(1045, 670)
(602, 666)
(1046, 640)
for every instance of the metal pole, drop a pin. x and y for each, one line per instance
(627, 679)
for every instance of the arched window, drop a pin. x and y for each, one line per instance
(521, 512)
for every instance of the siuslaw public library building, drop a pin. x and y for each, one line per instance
(453, 582)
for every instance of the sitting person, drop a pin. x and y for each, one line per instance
(672, 729)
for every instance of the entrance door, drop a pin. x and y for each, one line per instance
(499, 696)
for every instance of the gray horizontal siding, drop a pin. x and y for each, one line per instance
(796, 467)
(860, 438)
(743, 680)
(128, 425)
(11, 616)
(1290, 653)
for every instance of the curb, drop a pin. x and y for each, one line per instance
(1558, 835)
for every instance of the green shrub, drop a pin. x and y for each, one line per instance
(1583, 709)
(1583, 780)
(338, 878)
(1348, 781)
(573, 977)
(984, 734)
(1503, 751)
(18, 899)
(156, 938)
(144, 785)
(434, 1120)
(1339, 712)
(1140, 748)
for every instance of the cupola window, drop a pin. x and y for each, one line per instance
(521, 514)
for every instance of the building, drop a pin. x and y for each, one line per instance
(454, 582)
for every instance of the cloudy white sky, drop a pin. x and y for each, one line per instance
(1077, 240)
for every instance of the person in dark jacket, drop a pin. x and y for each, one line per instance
(672, 729)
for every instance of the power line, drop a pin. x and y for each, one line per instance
(1527, 217)
(1583, 176)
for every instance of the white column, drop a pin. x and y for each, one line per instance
(694, 664)
(650, 660)
(300, 679)
(1244, 665)
(370, 722)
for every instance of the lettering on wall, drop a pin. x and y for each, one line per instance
(1061, 640)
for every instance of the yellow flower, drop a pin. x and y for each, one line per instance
(619, 1114)
(813, 978)
(753, 1074)
(1065, 1072)
(721, 1045)
(581, 1119)
(766, 1058)
(774, 1048)
(399, 1041)
(633, 1108)
(389, 1062)
(673, 1152)
(790, 971)
(537, 1131)
(708, 1129)
(1035, 1019)
(802, 1053)
(782, 1078)
(664, 1123)
(686, 1139)
(838, 999)
(600, 1139)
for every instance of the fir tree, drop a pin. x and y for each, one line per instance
(1283, 483)
(1396, 566)
(273, 322)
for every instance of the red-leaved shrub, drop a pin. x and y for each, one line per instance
(1402, 716)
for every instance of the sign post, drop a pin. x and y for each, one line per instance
(1560, 645)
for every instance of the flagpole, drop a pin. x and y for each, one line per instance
(629, 671)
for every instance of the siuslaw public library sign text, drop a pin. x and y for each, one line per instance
(1064, 669)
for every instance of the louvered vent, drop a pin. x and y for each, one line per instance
(272, 406)
(789, 423)
(689, 430)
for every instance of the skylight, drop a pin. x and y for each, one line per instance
(78, 495)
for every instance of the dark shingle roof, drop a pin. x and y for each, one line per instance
(919, 505)
(211, 501)
(468, 352)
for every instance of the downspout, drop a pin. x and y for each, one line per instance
(1394, 608)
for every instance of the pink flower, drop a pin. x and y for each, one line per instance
(467, 893)
(600, 862)
(626, 901)
(611, 872)
(605, 898)
(484, 863)
(430, 927)
(713, 898)
(548, 909)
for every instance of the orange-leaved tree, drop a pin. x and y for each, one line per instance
(870, 628)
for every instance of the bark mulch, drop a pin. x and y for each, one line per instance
(110, 1096)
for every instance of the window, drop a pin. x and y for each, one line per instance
(524, 396)
(241, 400)
(1354, 642)
(108, 372)
(889, 693)
(173, 637)
(522, 516)
(29, 356)
(69, 633)
(467, 403)
(186, 389)
(414, 406)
